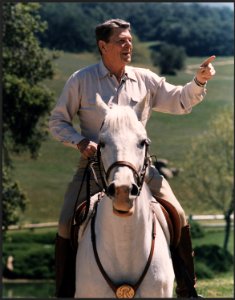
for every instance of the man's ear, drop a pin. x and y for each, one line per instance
(102, 46)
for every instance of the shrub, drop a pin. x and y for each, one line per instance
(169, 58)
(32, 237)
(214, 257)
(31, 261)
(197, 231)
(203, 271)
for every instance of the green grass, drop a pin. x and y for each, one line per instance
(222, 286)
(45, 179)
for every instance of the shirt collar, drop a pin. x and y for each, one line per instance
(103, 71)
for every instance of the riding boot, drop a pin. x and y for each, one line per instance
(182, 258)
(65, 258)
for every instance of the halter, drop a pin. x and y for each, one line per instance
(139, 176)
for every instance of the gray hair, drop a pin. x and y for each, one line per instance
(104, 30)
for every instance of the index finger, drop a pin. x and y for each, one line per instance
(207, 61)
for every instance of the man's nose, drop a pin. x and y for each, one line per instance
(128, 44)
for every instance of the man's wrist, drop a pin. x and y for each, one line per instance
(81, 144)
(198, 82)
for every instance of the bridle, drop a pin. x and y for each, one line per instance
(97, 161)
(123, 290)
(139, 176)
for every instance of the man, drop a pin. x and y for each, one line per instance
(115, 82)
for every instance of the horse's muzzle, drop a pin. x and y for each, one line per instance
(123, 198)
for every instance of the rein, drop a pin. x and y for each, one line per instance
(123, 290)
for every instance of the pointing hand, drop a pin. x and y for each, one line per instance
(206, 70)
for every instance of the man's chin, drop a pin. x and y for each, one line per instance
(127, 60)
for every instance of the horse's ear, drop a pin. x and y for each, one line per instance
(101, 104)
(142, 109)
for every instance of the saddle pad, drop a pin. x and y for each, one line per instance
(173, 220)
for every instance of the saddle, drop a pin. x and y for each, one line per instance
(80, 219)
(169, 211)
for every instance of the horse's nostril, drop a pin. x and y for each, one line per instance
(111, 189)
(134, 190)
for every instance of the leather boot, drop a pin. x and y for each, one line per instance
(65, 258)
(182, 258)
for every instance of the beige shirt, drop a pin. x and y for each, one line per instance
(140, 88)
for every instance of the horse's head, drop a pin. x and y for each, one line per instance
(123, 149)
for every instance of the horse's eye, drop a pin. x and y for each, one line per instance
(142, 143)
(102, 144)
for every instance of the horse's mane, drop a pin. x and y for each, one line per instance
(119, 117)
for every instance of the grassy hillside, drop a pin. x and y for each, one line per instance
(45, 179)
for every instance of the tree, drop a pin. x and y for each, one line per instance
(169, 58)
(14, 200)
(26, 101)
(208, 170)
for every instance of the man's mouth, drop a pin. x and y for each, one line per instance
(127, 54)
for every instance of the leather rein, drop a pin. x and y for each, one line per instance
(123, 290)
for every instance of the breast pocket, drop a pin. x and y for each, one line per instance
(91, 101)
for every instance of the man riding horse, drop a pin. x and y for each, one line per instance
(118, 83)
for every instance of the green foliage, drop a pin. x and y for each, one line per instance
(214, 257)
(25, 64)
(34, 263)
(33, 254)
(197, 231)
(26, 102)
(203, 271)
(213, 152)
(31, 237)
(202, 31)
(169, 58)
(208, 170)
(13, 200)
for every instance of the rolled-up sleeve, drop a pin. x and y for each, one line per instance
(61, 119)
(168, 98)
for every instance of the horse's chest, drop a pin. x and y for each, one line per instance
(158, 281)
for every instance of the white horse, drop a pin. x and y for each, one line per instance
(127, 254)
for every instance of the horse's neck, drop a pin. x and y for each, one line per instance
(126, 234)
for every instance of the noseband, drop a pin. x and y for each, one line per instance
(122, 163)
